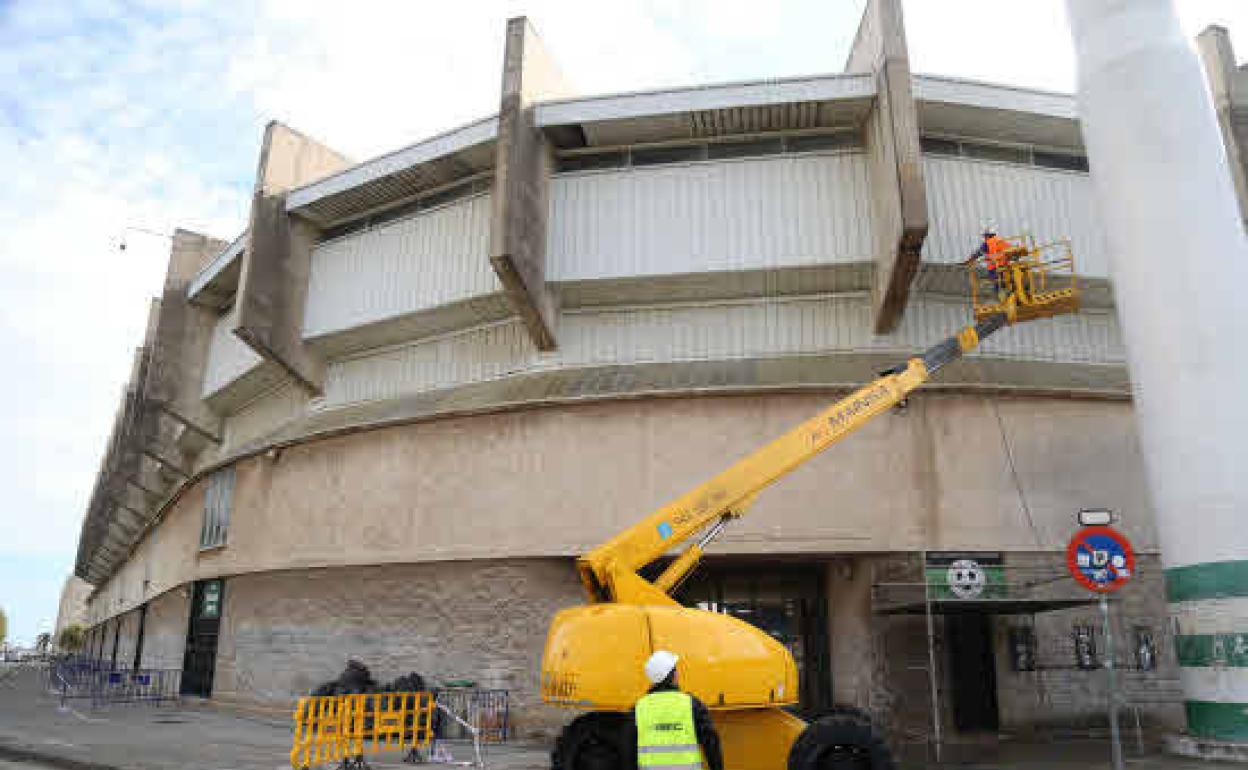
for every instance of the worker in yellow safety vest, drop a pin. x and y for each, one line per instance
(674, 729)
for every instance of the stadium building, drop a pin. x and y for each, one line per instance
(381, 421)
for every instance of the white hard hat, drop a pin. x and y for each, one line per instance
(660, 665)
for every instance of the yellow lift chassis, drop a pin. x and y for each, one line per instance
(595, 653)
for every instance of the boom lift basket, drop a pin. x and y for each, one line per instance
(1037, 282)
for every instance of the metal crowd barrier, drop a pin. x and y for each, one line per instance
(344, 728)
(487, 712)
(99, 683)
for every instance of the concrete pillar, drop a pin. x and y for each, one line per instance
(179, 346)
(1228, 85)
(898, 193)
(850, 631)
(273, 279)
(1179, 263)
(522, 168)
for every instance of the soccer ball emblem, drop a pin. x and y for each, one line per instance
(966, 579)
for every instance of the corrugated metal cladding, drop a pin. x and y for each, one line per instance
(963, 195)
(423, 261)
(228, 357)
(766, 328)
(263, 415)
(729, 215)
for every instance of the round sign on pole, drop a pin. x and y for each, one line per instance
(1100, 559)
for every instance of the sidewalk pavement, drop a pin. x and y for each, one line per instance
(193, 735)
(196, 735)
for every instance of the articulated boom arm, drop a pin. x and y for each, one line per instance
(610, 570)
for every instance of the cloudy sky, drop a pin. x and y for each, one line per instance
(148, 114)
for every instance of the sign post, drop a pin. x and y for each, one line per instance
(1101, 560)
(1114, 738)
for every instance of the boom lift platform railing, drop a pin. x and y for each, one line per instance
(1037, 281)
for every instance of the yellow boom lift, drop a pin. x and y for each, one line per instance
(595, 653)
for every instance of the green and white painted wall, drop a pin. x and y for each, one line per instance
(1209, 604)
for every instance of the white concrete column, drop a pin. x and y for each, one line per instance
(1180, 269)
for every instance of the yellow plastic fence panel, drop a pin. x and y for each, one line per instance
(334, 727)
(318, 731)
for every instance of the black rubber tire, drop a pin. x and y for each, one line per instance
(840, 742)
(594, 741)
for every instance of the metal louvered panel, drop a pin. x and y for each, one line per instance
(228, 357)
(761, 329)
(218, 499)
(462, 151)
(749, 120)
(430, 259)
(730, 215)
(394, 187)
(965, 194)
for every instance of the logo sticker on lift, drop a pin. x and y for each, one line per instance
(665, 530)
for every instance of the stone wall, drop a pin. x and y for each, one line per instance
(1058, 693)
(164, 638)
(283, 633)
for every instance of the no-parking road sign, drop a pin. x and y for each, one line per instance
(1100, 559)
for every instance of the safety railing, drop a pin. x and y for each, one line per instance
(488, 712)
(347, 728)
(100, 685)
(1037, 280)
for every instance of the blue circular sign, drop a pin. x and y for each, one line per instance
(1100, 559)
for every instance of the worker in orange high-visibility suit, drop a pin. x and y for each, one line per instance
(994, 251)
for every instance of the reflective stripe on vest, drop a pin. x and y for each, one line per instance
(666, 736)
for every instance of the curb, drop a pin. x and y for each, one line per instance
(24, 754)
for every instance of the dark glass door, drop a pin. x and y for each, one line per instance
(200, 661)
(138, 642)
(972, 666)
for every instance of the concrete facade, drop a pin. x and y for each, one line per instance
(439, 375)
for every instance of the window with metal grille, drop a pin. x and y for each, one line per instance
(720, 149)
(745, 149)
(425, 201)
(1062, 160)
(1000, 153)
(218, 498)
(934, 145)
(1016, 154)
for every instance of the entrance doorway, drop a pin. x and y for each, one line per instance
(200, 660)
(112, 663)
(785, 601)
(973, 670)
